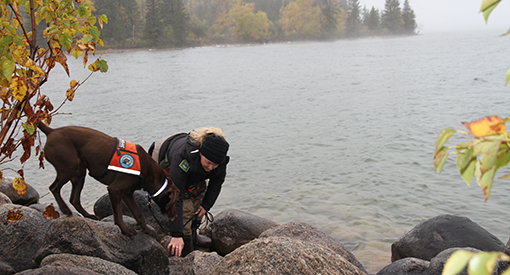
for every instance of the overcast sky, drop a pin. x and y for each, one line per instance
(452, 15)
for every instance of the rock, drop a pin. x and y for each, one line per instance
(429, 238)
(233, 228)
(75, 235)
(59, 268)
(308, 233)
(406, 266)
(6, 269)
(197, 263)
(437, 263)
(281, 255)
(4, 199)
(20, 240)
(95, 264)
(153, 216)
(30, 197)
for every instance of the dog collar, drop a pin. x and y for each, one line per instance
(160, 190)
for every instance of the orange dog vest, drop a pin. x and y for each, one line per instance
(125, 158)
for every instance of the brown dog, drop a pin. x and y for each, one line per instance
(72, 150)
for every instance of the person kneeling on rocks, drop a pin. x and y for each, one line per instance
(197, 164)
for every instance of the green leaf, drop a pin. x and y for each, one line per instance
(487, 7)
(443, 137)
(440, 159)
(94, 31)
(482, 263)
(29, 127)
(457, 262)
(464, 157)
(489, 154)
(485, 179)
(468, 173)
(104, 18)
(503, 157)
(82, 11)
(8, 69)
(86, 38)
(103, 67)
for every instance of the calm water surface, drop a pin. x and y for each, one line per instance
(336, 134)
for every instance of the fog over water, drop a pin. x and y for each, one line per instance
(451, 15)
(336, 134)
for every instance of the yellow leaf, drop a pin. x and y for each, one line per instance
(14, 216)
(73, 84)
(487, 126)
(70, 94)
(50, 212)
(19, 185)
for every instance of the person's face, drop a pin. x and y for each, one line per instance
(207, 164)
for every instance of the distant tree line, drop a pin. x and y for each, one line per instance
(175, 23)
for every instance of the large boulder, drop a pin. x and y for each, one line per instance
(152, 214)
(281, 255)
(407, 266)
(74, 235)
(196, 263)
(59, 268)
(429, 238)
(93, 263)
(30, 197)
(20, 239)
(232, 228)
(308, 233)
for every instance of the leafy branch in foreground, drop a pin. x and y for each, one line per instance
(26, 64)
(480, 158)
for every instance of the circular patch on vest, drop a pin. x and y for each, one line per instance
(127, 161)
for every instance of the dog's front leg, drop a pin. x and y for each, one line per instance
(130, 201)
(116, 202)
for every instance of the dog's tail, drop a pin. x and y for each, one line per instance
(46, 130)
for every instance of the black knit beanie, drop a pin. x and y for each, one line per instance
(214, 148)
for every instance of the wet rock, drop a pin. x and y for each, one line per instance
(406, 266)
(59, 268)
(95, 264)
(429, 238)
(281, 255)
(30, 197)
(21, 239)
(308, 233)
(233, 228)
(75, 235)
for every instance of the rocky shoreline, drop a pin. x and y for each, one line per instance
(240, 243)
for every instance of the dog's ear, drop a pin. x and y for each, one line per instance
(173, 195)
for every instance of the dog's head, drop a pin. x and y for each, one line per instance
(166, 200)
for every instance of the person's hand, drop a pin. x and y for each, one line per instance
(175, 246)
(201, 211)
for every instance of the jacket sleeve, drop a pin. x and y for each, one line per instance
(179, 178)
(215, 183)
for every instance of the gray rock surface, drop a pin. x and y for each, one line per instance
(281, 255)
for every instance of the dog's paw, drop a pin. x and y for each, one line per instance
(128, 231)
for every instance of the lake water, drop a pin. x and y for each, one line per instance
(337, 134)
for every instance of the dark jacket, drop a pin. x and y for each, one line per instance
(181, 157)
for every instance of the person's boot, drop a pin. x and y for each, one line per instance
(202, 241)
(188, 245)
